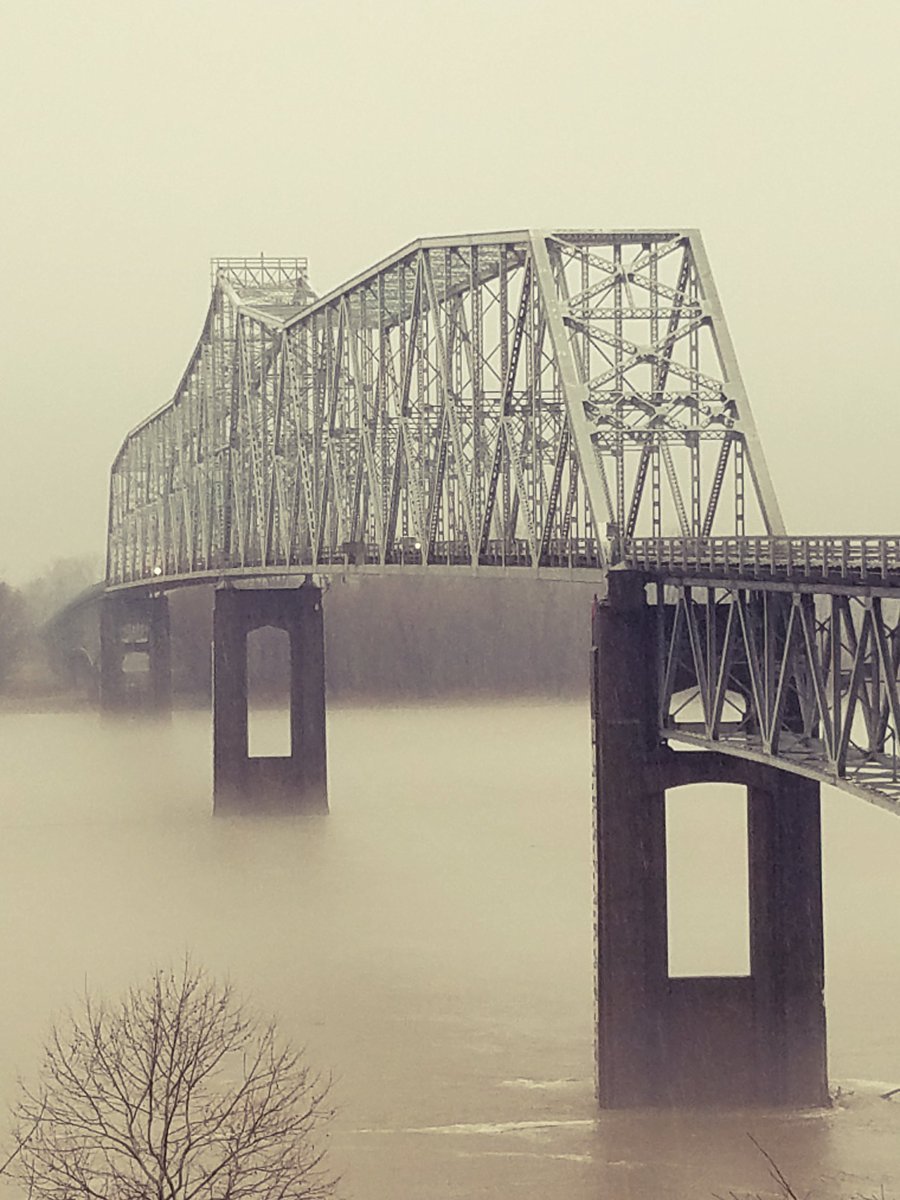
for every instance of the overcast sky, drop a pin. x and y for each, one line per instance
(141, 139)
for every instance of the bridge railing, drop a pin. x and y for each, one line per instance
(853, 558)
(571, 553)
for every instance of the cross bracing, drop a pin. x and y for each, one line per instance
(782, 649)
(507, 400)
(806, 676)
(556, 401)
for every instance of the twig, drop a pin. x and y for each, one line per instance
(775, 1171)
(21, 1143)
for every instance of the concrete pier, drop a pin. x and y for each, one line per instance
(755, 1039)
(295, 782)
(135, 654)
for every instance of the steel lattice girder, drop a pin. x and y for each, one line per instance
(522, 399)
(806, 678)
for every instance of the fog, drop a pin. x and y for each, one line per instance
(139, 141)
(431, 941)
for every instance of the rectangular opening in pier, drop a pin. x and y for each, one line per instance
(707, 880)
(268, 693)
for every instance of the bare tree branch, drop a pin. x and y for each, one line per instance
(775, 1171)
(21, 1143)
(175, 1093)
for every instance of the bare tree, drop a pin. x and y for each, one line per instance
(177, 1092)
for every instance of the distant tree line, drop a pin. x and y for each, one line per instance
(15, 627)
(27, 651)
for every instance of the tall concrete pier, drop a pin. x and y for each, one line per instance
(758, 1038)
(295, 782)
(135, 654)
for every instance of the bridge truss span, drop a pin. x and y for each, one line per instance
(561, 401)
(802, 676)
(526, 399)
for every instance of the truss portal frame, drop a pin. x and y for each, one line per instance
(526, 399)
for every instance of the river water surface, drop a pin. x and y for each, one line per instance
(429, 942)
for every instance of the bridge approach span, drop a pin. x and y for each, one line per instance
(781, 650)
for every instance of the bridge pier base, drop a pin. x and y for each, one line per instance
(135, 655)
(755, 1039)
(296, 782)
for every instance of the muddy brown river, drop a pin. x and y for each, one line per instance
(430, 943)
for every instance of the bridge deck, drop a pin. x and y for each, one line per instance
(543, 402)
(826, 562)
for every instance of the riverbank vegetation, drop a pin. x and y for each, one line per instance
(33, 669)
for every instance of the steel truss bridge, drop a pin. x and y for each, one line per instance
(560, 402)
